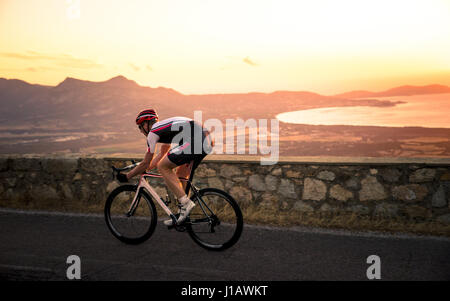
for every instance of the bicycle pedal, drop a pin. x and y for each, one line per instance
(180, 228)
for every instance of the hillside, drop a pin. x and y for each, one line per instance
(84, 104)
(398, 91)
(98, 117)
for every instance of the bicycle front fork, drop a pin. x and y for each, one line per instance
(134, 205)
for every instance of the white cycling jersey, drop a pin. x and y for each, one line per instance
(165, 130)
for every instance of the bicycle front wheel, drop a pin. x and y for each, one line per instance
(216, 221)
(130, 226)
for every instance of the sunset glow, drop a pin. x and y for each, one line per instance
(211, 46)
(417, 111)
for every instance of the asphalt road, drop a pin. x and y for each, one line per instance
(35, 246)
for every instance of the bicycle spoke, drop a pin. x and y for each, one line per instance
(131, 226)
(217, 222)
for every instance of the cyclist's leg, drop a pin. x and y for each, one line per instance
(166, 168)
(181, 155)
(183, 171)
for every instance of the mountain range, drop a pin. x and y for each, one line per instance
(86, 105)
(398, 91)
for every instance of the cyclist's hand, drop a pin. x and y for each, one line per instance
(122, 178)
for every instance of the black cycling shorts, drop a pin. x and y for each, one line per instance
(186, 152)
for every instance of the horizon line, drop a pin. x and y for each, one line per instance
(224, 93)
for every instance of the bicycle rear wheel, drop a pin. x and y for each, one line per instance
(133, 228)
(216, 221)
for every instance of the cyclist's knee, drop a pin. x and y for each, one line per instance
(183, 170)
(163, 166)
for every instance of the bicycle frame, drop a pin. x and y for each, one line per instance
(143, 184)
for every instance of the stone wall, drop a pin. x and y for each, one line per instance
(413, 190)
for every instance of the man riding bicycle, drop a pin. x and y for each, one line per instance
(193, 143)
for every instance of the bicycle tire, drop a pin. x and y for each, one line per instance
(147, 229)
(237, 217)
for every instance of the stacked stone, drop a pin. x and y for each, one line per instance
(390, 190)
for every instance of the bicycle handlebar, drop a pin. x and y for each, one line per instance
(134, 164)
(124, 168)
(117, 170)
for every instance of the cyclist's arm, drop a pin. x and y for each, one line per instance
(162, 152)
(140, 169)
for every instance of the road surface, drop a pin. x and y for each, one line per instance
(36, 245)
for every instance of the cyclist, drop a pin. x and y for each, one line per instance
(168, 131)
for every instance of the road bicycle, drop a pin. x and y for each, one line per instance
(215, 223)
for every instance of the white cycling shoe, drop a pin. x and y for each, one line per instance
(184, 212)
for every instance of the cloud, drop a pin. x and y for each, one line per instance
(248, 61)
(63, 60)
(137, 68)
(232, 61)
(30, 69)
(134, 67)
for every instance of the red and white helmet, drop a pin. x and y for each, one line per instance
(146, 115)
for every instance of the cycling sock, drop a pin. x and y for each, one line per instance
(184, 199)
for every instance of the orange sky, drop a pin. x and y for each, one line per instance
(212, 46)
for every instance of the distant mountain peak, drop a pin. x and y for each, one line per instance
(67, 80)
(118, 81)
(405, 90)
(119, 77)
(121, 81)
(70, 82)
